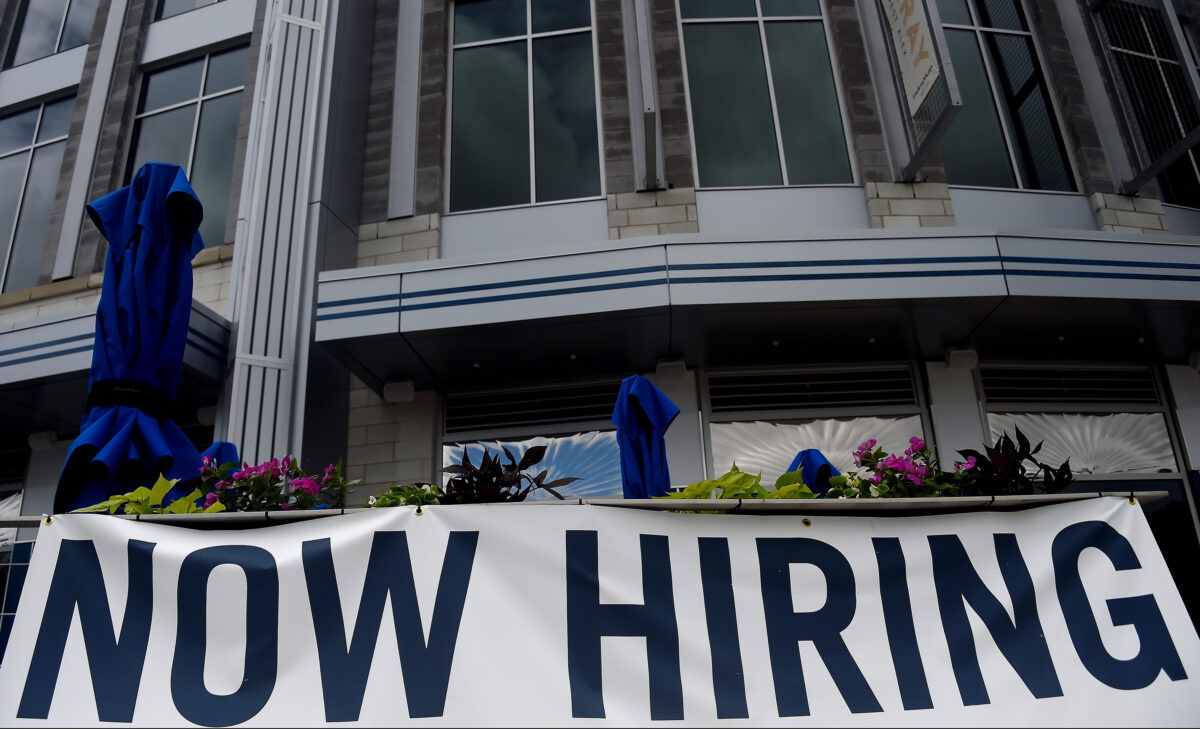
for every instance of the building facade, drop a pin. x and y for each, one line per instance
(436, 224)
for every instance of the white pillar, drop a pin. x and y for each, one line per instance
(685, 444)
(1185, 392)
(954, 407)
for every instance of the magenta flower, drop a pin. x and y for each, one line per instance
(328, 471)
(209, 500)
(307, 484)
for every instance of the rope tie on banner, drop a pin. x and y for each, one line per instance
(1132, 498)
(47, 519)
(737, 507)
(420, 510)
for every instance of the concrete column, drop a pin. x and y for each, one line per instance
(299, 216)
(685, 441)
(1185, 392)
(958, 419)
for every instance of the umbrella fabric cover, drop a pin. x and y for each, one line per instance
(127, 437)
(642, 415)
(817, 469)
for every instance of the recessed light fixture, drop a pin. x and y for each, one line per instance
(475, 365)
(774, 342)
(1062, 338)
(571, 356)
(870, 340)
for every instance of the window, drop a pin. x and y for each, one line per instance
(188, 116)
(1107, 420)
(14, 563)
(761, 420)
(168, 8)
(31, 154)
(762, 96)
(523, 122)
(1153, 91)
(46, 27)
(1006, 133)
(573, 421)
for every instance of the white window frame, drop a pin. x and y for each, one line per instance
(798, 416)
(979, 30)
(14, 38)
(529, 36)
(823, 18)
(30, 149)
(1098, 408)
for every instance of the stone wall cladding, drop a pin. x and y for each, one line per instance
(390, 443)
(614, 98)
(378, 142)
(858, 93)
(909, 204)
(210, 276)
(243, 130)
(116, 128)
(431, 113)
(672, 101)
(71, 151)
(1124, 214)
(402, 240)
(1078, 124)
(637, 214)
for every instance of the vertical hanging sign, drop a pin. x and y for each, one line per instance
(912, 40)
(924, 77)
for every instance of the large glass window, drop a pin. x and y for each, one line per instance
(763, 101)
(1006, 133)
(188, 116)
(169, 8)
(761, 420)
(31, 153)
(46, 27)
(592, 456)
(1153, 91)
(1106, 420)
(523, 122)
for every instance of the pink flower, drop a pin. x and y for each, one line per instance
(221, 485)
(328, 471)
(960, 466)
(307, 484)
(286, 507)
(209, 500)
(863, 451)
(876, 479)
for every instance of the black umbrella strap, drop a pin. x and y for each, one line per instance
(131, 394)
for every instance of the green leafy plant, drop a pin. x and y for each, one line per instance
(494, 481)
(274, 485)
(144, 500)
(737, 484)
(402, 495)
(1001, 469)
(916, 473)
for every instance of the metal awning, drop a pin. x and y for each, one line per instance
(716, 301)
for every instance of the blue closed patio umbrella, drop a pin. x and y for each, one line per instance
(817, 470)
(642, 415)
(127, 437)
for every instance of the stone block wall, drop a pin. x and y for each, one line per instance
(390, 443)
(211, 271)
(637, 214)
(1124, 214)
(909, 204)
(402, 240)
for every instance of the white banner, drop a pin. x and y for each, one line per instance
(560, 615)
(913, 41)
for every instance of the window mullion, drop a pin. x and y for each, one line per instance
(762, 39)
(12, 233)
(196, 123)
(1004, 122)
(529, 100)
(62, 25)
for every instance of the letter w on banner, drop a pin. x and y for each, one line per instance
(553, 615)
